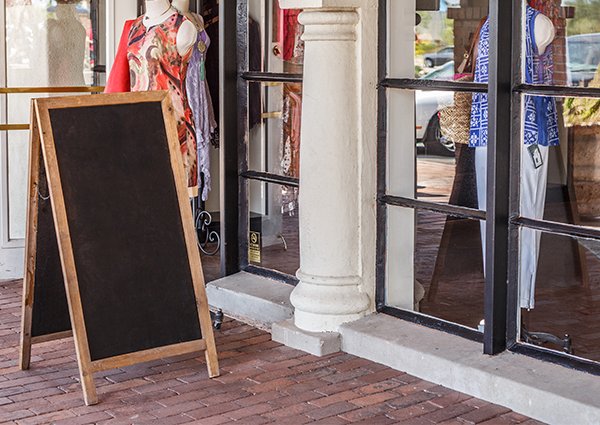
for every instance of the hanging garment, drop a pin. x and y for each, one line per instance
(541, 118)
(291, 125)
(118, 80)
(290, 149)
(202, 108)
(155, 64)
(290, 36)
(210, 13)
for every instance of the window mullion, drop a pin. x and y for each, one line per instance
(502, 57)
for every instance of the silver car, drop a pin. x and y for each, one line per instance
(427, 105)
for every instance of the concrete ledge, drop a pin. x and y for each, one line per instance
(315, 343)
(541, 390)
(252, 299)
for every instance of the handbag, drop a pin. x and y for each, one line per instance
(455, 119)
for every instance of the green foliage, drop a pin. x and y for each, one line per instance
(423, 47)
(587, 17)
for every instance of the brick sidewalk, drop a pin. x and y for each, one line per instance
(261, 382)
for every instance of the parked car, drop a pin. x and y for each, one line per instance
(583, 58)
(440, 57)
(430, 139)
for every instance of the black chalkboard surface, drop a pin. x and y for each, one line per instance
(126, 240)
(51, 315)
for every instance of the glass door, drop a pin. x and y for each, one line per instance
(47, 46)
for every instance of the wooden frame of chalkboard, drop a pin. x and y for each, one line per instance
(52, 319)
(63, 128)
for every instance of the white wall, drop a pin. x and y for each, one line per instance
(119, 11)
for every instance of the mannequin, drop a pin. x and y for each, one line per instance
(66, 47)
(540, 132)
(159, 49)
(157, 11)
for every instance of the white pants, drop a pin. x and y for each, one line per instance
(533, 200)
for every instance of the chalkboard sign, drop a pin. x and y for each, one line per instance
(126, 239)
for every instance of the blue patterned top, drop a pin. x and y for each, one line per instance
(541, 117)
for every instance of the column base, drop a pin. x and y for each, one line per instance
(316, 343)
(323, 303)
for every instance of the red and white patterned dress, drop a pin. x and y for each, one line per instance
(155, 64)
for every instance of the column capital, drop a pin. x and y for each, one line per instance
(320, 4)
(329, 24)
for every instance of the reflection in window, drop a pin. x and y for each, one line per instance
(448, 265)
(566, 297)
(434, 43)
(48, 43)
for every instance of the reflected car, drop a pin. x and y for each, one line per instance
(440, 57)
(583, 58)
(430, 139)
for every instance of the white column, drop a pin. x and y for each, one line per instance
(331, 289)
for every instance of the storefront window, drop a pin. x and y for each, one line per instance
(48, 44)
(431, 171)
(458, 230)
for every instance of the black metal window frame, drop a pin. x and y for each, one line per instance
(235, 78)
(503, 219)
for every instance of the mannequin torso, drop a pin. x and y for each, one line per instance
(159, 49)
(544, 33)
(158, 11)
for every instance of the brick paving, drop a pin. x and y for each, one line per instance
(261, 382)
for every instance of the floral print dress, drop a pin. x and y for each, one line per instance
(155, 64)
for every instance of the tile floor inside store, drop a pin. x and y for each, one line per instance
(261, 382)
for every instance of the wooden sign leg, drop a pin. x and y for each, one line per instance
(25, 355)
(30, 254)
(210, 353)
(212, 361)
(89, 387)
(67, 257)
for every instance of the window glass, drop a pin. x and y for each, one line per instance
(561, 181)
(274, 108)
(446, 277)
(275, 122)
(560, 293)
(446, 167)
(565, 37)
(48, 44)
(273, 237)
(274, 38)
(444, 36)
(445, 164)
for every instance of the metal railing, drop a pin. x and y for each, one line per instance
(40, 90)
